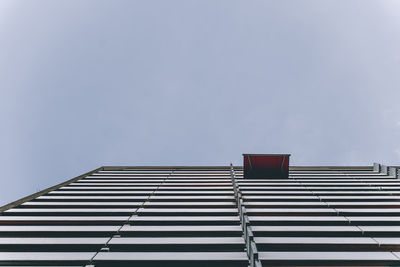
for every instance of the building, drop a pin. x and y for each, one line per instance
(208, 216)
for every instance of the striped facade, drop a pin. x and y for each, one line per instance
(208, 216)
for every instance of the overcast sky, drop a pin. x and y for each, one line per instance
(91, 83)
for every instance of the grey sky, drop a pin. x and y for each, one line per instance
(91, 83)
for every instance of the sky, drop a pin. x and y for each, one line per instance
(194, 82)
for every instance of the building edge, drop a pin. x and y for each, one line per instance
(114, 168)
(44, 191)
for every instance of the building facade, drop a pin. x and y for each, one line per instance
(208, 216)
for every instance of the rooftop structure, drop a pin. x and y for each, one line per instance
(208, 216)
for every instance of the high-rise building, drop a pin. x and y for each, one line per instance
(208, 216)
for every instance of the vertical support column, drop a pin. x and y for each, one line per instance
(251, 247)
(394, 172)
(377, 167)
(384, 169)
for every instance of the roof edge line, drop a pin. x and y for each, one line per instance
(44, 191)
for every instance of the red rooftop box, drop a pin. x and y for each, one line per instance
(266, 166)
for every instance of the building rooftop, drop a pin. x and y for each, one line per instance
(208, 216)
